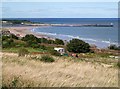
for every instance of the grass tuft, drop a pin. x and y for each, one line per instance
(47, 58)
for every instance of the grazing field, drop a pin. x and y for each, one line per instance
(64, 72)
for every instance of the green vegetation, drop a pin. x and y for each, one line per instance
(5, 37)
(47, 58)
(55, 53)
(12, 43)
(104, 55)
(58, 41)
(13, 36)
(30, 49)
(23, 52)
(30, 43)
(8, 43)
(33, 67)
(31, 40)
(78, 46)
(114, 47)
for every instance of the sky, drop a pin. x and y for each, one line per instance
(59, 9)
(60, 0)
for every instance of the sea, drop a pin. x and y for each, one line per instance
(102, 37)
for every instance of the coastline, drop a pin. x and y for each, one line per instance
(99, 43)
(22, 31)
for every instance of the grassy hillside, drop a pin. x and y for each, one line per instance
(64, 72)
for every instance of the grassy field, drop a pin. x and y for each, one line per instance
(30, 49)
(64, 72)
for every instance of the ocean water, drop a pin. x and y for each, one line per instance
(100, 36)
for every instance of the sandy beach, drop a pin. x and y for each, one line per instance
(22, 31)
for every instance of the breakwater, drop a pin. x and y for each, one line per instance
(73, 25)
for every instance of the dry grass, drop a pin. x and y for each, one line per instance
(24, 72)
(0, 70)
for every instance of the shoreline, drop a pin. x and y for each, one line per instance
(22, 31)
(101, 44)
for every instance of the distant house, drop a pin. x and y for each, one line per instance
(60, 50)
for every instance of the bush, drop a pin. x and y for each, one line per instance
(42, 47)
(30, 37)
(8, 43)
(114, 47)
(13, 36)
(55, 53)
(47, 58)
(5, 44)
(51, 42)
(23, 52)
(34, 45)
(4, 38)
(59, 42)
(78, 46)
(44, 40)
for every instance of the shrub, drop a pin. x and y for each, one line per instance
(5, 44)
(38, 40)
(78, 46)
(8, 43)
(30, 37)
(5, 38)
(44, 40)
(114, 47)
(59, 42)
(35, 45)
(47, 58)
(23, 52)
(14, 36)
(51, 42)
(42, 47)
(55, 53)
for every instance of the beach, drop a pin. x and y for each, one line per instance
(24, 30)
(63, 72)
(59, 44)
(102, 37)
(57, 32)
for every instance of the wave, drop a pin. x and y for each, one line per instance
(46, 33)
(69, 37)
